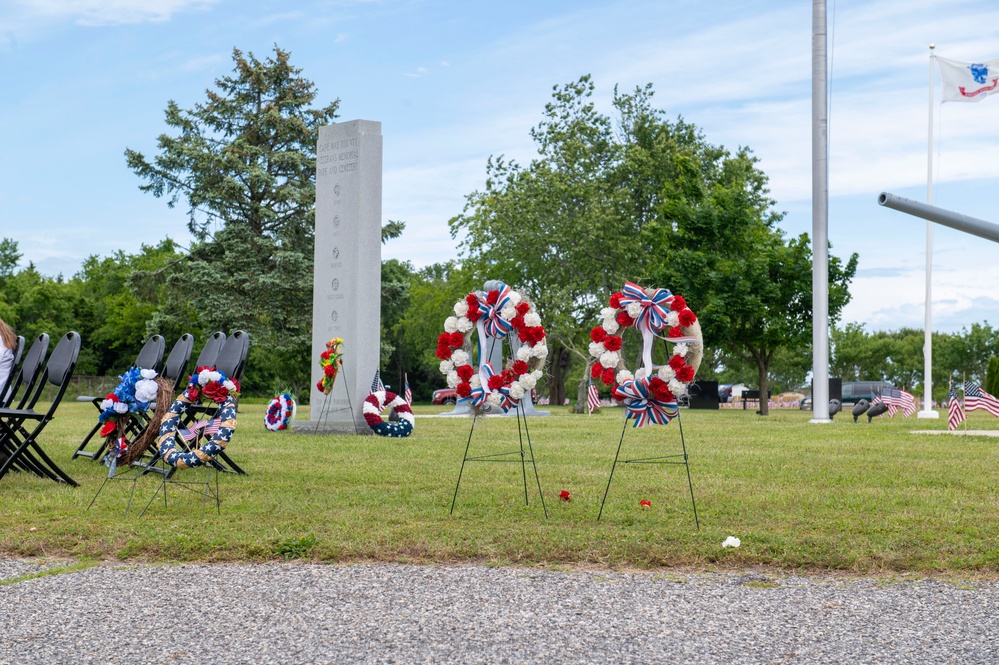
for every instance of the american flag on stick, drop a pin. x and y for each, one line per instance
(592, 397)
(409, 393)
(205, 428)
(896, 399)
(976, 398)
(377, 384)
(955, 414)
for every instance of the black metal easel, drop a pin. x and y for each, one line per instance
(325, 410)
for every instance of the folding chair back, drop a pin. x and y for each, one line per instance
(176, 363)
(232, 357)
(151, 354)
(210, 351)
(21, 446)
(27, 378)
(5, 396)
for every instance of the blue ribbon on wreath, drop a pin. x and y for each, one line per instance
(654, 307)
(496, 326)
(641, 406)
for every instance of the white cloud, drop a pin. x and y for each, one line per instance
(108, 12)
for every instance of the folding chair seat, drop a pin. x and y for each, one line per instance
(5, 396)
(27, 385)
(150, 357)
(17, 441)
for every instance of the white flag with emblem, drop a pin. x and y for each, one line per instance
(968, 81)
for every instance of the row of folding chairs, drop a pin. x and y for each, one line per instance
(21, 423)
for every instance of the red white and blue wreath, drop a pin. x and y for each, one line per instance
(280, 412)
(650, 394)
(380, 400)
(216, 386)
(136, 389)
(496, 314)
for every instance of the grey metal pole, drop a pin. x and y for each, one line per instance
(820, 218)
(954, 220)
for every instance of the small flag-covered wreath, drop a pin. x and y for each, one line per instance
(214, 385)
(280, 412)
(380, 400)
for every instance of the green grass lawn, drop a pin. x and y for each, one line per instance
(863, 498)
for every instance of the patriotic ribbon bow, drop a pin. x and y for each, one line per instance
(654, 307)
(641, 406)
(496, 325)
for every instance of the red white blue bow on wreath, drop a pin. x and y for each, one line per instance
(495, 325)
(654, 307)
(643, 407)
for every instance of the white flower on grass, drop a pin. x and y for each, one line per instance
(609, 359)
(446, 366)
(451, 324)
(528, 381)
(624, 375)
(666, 373)
(524, 353)
(673, 319)
(634, 309)
(453, 379)
(610, 325)
(145, 390)
(459, 358)
(460, 308)
(464, 325)
(508, 312)
(732, 541)
(148, 374)
(517, 390)
(597, 349)
(532, 319)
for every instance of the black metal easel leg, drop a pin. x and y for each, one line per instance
(613, 466)
(523, 459)
(464, 458)
(530, 449)
(686, 464)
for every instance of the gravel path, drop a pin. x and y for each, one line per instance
(466, 614)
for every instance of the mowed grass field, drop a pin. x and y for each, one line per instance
(862, 498)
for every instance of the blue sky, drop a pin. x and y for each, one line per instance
(456, 82)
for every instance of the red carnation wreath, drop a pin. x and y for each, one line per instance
(496, 313)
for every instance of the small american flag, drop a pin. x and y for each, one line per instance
(377, 384)
(976, 398)
(955, 414)
(409, 393)
(592, 397)
(896, 399)
(201, 428)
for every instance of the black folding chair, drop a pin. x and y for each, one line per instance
(27, 376)
(150, 357)
(5, 396)
(17, 442)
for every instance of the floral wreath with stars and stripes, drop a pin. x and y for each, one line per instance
(495, 313)
(650, 393)
(380, 400)
(205, 382)
(280, 412)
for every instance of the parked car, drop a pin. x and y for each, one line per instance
(444, 396)
(806, 403)
(854, 391)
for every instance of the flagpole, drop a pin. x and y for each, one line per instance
(928, 411)
(964, 375)
(820, 217)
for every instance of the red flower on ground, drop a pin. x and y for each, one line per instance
(598, 334)
(109, 428)
(612, 343)
(678, 303)
(520, 367)
(687, 317)
(607, 377)
(645, 503)
(463, 390)
(624, 320)
(564, 495)
(465, 372)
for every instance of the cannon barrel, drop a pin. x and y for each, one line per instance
(954, 220)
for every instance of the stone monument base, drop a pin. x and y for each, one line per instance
(328, 427)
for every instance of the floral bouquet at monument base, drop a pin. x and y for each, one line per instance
(331, 360)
